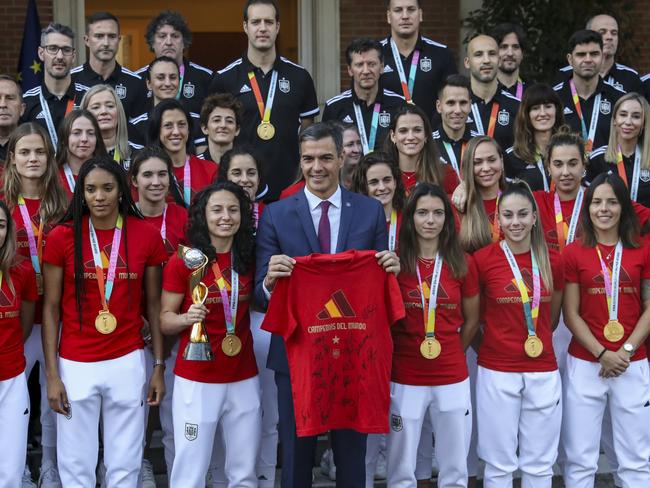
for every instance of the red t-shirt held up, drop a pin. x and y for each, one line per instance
(409, 366)
(335, 313)
(582, 266)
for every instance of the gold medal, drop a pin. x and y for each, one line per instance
(266, 131)
(533, 346)
(613, 331)
(105, 322)
(231, 345)
(430, 348)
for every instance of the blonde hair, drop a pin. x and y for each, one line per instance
(475, 231)
(611, 155)
(53, 198)
(121, 132)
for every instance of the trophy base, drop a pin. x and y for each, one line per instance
(198, 351)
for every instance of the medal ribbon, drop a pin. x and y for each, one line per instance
(163, 227)
(407, 87)
(452, 157)
(612, 279)
(520, 88)
(181, 72)
(496, 228)
(491, 123)
(229, 306)
(265, 111)
(540, 167)
(531, 313)
(256, 213)
(106, 290)
(429, 307)
(69, 177)
(368, 144)
(564, 238)
(392, 231)
(35, 247)
(187, 181)
(587, 136)
(636, 172)
(116, 155)
(49, 122)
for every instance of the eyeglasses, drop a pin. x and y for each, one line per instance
(53, 49)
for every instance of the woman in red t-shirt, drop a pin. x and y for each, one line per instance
(378, 176)
(518, 387)
(36, 200)
(17, 297)
(97, 265)
(170, 128)
(440, 290)
(79, 140)
(410, 143)
(224, 389)
(483, 181)
(607, 309)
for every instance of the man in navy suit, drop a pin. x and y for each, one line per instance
(297, 226)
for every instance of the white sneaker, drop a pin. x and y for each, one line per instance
(380, 469)
(49, 477)
(146, 475)
(27, 482)
(327, 466)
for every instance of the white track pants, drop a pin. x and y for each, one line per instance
(14, 419)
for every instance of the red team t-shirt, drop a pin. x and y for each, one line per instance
(69, 192)
(409, 366)
(335, 313)
(82, 342)
(224, 369)
(23, 279)
(202, 174)
(451, 180)
(175, 223)
(504, 321)
(582, 266)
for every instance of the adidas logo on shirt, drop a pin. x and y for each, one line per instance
(347, 119)
(567, 111)
(245, 89)
(388, 69)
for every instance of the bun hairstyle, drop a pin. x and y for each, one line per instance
(565, 137)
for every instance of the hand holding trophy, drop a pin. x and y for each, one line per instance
(198, 348)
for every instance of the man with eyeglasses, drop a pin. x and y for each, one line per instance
(49, 103)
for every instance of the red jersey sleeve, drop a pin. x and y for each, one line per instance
(642, 213)
(394, 299)
(56, 243)
(28, 290)
(175, 275)
(557, 269)
(570, 264)
(157, 253)
(471, 285)
(279, 317)
(645, 272)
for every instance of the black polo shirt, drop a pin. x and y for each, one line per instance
(441, 139)
(3, 152)
(196, 82)
(139, 128)
(128, 86)
(597, 165)
(609, 95)
(34, 112)
(341, 108)
(645, 79)
(504, 127)
(435, 64)
(620, 76)
(528, 171)
(513, 89)
(295, 99)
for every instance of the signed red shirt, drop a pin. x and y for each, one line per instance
(409, 366)
(335, 312)
(582, 266)
(12, 358)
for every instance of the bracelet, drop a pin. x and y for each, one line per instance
(158, 362)
(601, 353)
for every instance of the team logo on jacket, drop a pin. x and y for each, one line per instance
(605, 107)
(284, 85)
(396, 423)
(120, 90)
(425, 64)
(384, 119)
(337, 306)
(188, 90)
(191, 431)
(645, 175)
(503, 118)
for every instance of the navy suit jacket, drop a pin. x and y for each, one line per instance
(286, 227)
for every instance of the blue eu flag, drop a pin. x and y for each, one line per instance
(30, 68)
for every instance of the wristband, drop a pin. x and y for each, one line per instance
(158, 362)
(601, 354)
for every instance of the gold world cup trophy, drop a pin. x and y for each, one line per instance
(198, 348)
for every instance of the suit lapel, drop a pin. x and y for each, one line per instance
(304, 215)
(346, 218)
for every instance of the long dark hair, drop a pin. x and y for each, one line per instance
(448, 245)
(157, 152)
(8, 249)
(78, 209)
(62, 152)
(360, 176)
(628, 225)
(155, 123)
(243, 247)
(240, 150)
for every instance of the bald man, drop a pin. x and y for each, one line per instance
(493, 110)
(616, 74)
